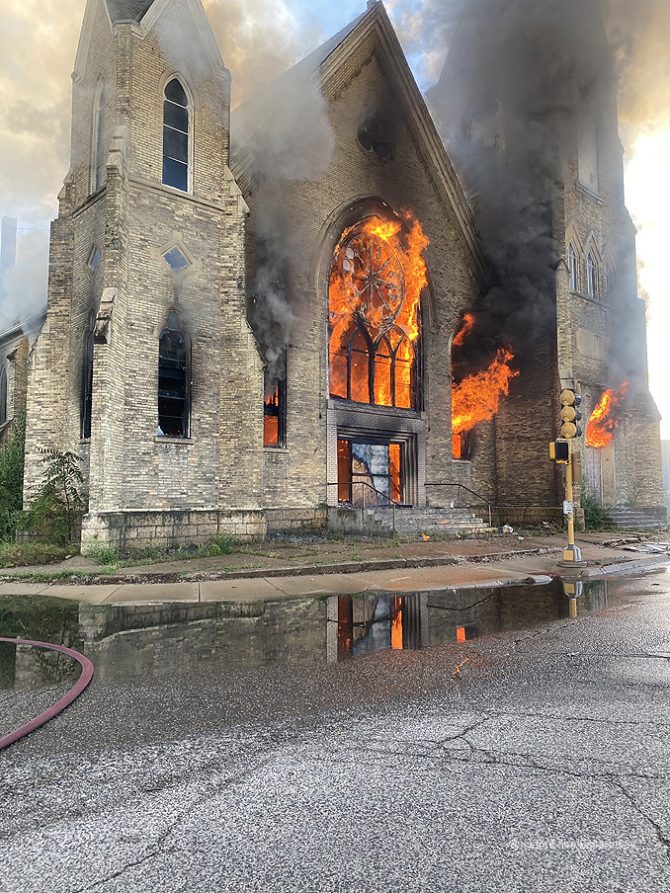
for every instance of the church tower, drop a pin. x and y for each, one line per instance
(527, 104)
(146, 366)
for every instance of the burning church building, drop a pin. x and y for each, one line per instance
(298, 313)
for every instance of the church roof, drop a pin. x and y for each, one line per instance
(267, 101)
(127, 10)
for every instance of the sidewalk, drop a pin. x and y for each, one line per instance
(285, 570)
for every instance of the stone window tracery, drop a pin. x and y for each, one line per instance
(573, 268)
(374, 333)
(592, 276)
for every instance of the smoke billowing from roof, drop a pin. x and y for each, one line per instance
(520, 79)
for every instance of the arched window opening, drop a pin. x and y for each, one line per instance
(375, 317)
(100, 140)
(176, 135)
(3, 396)
(592, 276)
(174, 363)
(573, 268)
(274, 405)
(87, 379)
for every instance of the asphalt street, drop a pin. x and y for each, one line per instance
(524, 760)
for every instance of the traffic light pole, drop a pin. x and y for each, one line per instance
(572, 553)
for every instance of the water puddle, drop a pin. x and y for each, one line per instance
(124, 641)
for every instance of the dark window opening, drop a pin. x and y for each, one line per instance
(274, 410)
(176, 130)
(173, 380)
(3, 396)
(87, 381)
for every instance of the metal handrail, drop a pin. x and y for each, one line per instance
(473, 492)
(391, 502)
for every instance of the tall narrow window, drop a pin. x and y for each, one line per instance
(174, 364)
(176, 132)
(3, 395)
(87, 380)
(592, 276)
(100, 136)
(274, 405)
(573, 268)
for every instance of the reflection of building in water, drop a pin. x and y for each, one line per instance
(127, 641)
(359, 625)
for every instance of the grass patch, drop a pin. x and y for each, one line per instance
(22, 554)
(104, 555)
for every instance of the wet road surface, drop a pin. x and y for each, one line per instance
(465, 741)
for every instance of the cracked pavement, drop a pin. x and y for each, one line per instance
(542, 765)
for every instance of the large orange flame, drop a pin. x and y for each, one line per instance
(477, 398)
(606, 418)
(377, 277)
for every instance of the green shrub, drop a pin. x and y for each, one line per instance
(56, 513)
(594, 513)
(26, 554)
(11, 481)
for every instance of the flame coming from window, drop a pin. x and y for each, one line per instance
(376, 281)
(468, 325)
(606, 418)
(476, 398)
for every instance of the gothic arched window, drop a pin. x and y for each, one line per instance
(375, 324)
(592, 276)
(86, 413)
(176, 136)
(174, 379)
(573, 268)
(100, 140)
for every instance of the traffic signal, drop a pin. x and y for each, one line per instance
(570, 414)
(559, 451)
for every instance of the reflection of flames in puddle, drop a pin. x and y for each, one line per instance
(606, 418)
(396, 625)
(376, 281)
(476, 398)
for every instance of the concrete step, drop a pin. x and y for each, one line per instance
(631, 518)
(413, 522)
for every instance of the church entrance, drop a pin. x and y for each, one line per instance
(370, 473)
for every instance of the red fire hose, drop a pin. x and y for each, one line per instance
(80, 686)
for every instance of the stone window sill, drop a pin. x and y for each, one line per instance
(184, 441)
(279, 450)
(598, 302)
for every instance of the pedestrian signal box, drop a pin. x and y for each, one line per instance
(559, 451)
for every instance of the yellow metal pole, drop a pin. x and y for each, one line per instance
(569, 493)
(572, 553)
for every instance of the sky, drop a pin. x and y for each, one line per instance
(259, 39)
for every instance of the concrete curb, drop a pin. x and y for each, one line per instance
(304, 570)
